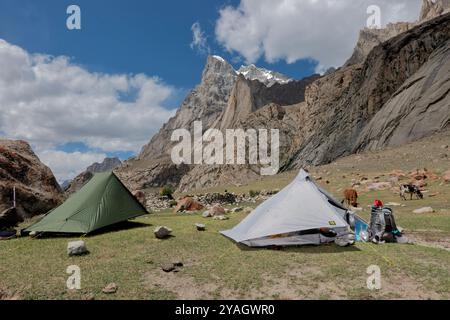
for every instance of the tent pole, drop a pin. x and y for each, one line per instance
(14, 196)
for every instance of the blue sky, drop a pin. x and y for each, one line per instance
(80, 95)
(117, 36)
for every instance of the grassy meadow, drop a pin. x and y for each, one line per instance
(216, 268)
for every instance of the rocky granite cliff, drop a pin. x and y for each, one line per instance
(37, 190)
(393, 90)
(341, 105)
(223, 97)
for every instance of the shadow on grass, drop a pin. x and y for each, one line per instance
(313, 249)
(121, 226)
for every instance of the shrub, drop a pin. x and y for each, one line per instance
(167, 191)
(173, 203)
(253, 193)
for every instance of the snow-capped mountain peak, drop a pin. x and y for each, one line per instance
(268, 77)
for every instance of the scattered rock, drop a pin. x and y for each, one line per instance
(220, 217)
(77, 248)
(216, 211)
(178, 264)
(88, 296)
(188, 204)
(393, 204)
(248, 210)
(168, 267)
(377, 186)
(162, 232)
(110, 288)
(200, 227)
(206, 214)
(424, 210)
(140, 196)
(446, 176)
(238, 209)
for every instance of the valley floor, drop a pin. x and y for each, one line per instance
(216, 268)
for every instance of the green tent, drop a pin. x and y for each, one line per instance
(103, 201)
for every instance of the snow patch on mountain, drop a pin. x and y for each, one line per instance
(268, 77)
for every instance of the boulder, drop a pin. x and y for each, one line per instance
(424, 210)
(140, 196)
(162, 232)
(37, 190)
(77, 248)
(217, 211)
(188, 204)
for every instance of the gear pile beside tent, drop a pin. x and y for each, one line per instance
(102, 202)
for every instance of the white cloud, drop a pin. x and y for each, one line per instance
(49, 101)
(67, 165)
(199, 40)
(290, 30)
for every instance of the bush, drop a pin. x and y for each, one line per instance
(253, 193)
(167, 191)
(173, 203)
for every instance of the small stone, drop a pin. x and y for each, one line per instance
(110, 288)
(206, 214)
(248, 210)
(221, 218)
(77, 248)
(162, 232)
(88, 296)
(168, 267)
(200, 227)
(178, 264)
(424, 210)
(393, 204)
(238, 209)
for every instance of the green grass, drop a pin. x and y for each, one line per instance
(216, 268)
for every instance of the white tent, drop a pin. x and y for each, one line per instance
(297, 215)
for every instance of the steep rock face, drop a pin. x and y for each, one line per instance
(333, 124)
(273, 116)
(108, 164)
(253, 105)
(204, 103)
(420, 107)
(434, 8)
(370, 38)
(222, 99)
(37, 190)
(153, 167)
(248, 96)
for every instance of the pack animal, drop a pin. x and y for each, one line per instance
(350, 198)
(412, 190)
